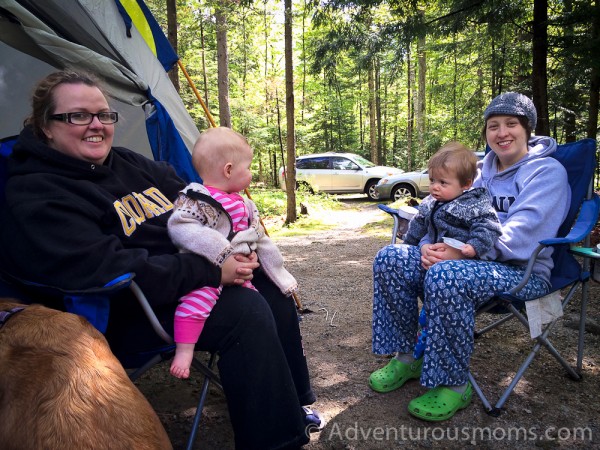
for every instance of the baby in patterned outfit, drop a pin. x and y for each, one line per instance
(215, 221)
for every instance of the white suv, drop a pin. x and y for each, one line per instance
(339, 173)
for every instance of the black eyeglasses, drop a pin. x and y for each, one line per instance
(85, 118)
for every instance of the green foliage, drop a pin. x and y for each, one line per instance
(473, 51)
(272, 206)
(272, 202)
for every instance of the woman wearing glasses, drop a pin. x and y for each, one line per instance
(81, 212)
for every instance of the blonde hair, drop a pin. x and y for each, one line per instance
(454, 157)
(216, 147)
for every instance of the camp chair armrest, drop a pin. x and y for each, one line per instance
(109, 288)
(528, 270)
(586, 220)
(143, 301)
(583, 226)
(92, 303)
(388, 210)
(394, 213)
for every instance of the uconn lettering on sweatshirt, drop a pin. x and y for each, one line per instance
(502, 203)
(136, 208)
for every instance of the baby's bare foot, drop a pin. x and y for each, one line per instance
(180, 367)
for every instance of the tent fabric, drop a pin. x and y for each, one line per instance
(38, 37)
(161, 129)
(136, 12)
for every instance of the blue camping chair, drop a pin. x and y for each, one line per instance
(579, 159)
(94, 305)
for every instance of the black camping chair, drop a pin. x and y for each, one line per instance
(579, 159)
(94, 305)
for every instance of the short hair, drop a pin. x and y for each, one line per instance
(43, 102)
(217, 146)
(456, 158)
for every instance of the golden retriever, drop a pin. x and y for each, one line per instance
(62, 388)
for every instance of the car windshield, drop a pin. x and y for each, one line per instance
(363, 162)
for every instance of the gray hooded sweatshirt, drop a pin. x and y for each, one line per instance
(531, 198)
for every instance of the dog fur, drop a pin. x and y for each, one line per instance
(62, 388)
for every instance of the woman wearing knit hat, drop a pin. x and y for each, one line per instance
(527, 188)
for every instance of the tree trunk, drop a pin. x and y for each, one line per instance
(338, 114)
(592, 128)
(481, 102)
(378, 111)
(409, 111)
(291, 177)
(289, 108)
(222, 67)
(361, 129)
(414, 103)
(372, 114)
(204, 77)
(244, 58)
(498, 57)
(454, 86)
(303, 62)
(383, 120)
(421, 56)
(396, 119)
(568, 99)
(266, 71)
(172, 36)
(539, 78)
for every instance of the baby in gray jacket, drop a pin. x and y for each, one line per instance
(454, 212)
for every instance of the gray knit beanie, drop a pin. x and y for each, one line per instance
(512, 104)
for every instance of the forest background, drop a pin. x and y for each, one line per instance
(390, 80)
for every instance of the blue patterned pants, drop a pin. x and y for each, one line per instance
(451, 292)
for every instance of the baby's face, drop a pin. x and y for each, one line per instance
(241, 174)
(445, 186)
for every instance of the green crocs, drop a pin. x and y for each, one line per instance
(440, 403)
(394, 375)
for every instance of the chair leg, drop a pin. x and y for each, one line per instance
(494, 412)
(492, 326)
(543, 340)
(143, 369)
(200, 407)
(582, 319)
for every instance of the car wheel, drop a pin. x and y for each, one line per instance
(371, 191)
(402, 191)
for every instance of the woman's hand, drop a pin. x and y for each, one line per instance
(238, 268)
(433, 253)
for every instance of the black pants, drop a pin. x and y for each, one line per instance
(261, 361)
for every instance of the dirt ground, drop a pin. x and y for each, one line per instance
(547, 410)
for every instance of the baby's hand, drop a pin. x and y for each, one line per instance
(468, 251)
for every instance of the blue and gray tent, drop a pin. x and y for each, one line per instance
(118, 40)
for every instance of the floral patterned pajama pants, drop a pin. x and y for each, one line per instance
(451, 292)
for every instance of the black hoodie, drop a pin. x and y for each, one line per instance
(74, 225)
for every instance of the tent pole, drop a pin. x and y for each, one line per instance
(213, 124)
(193, 86)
